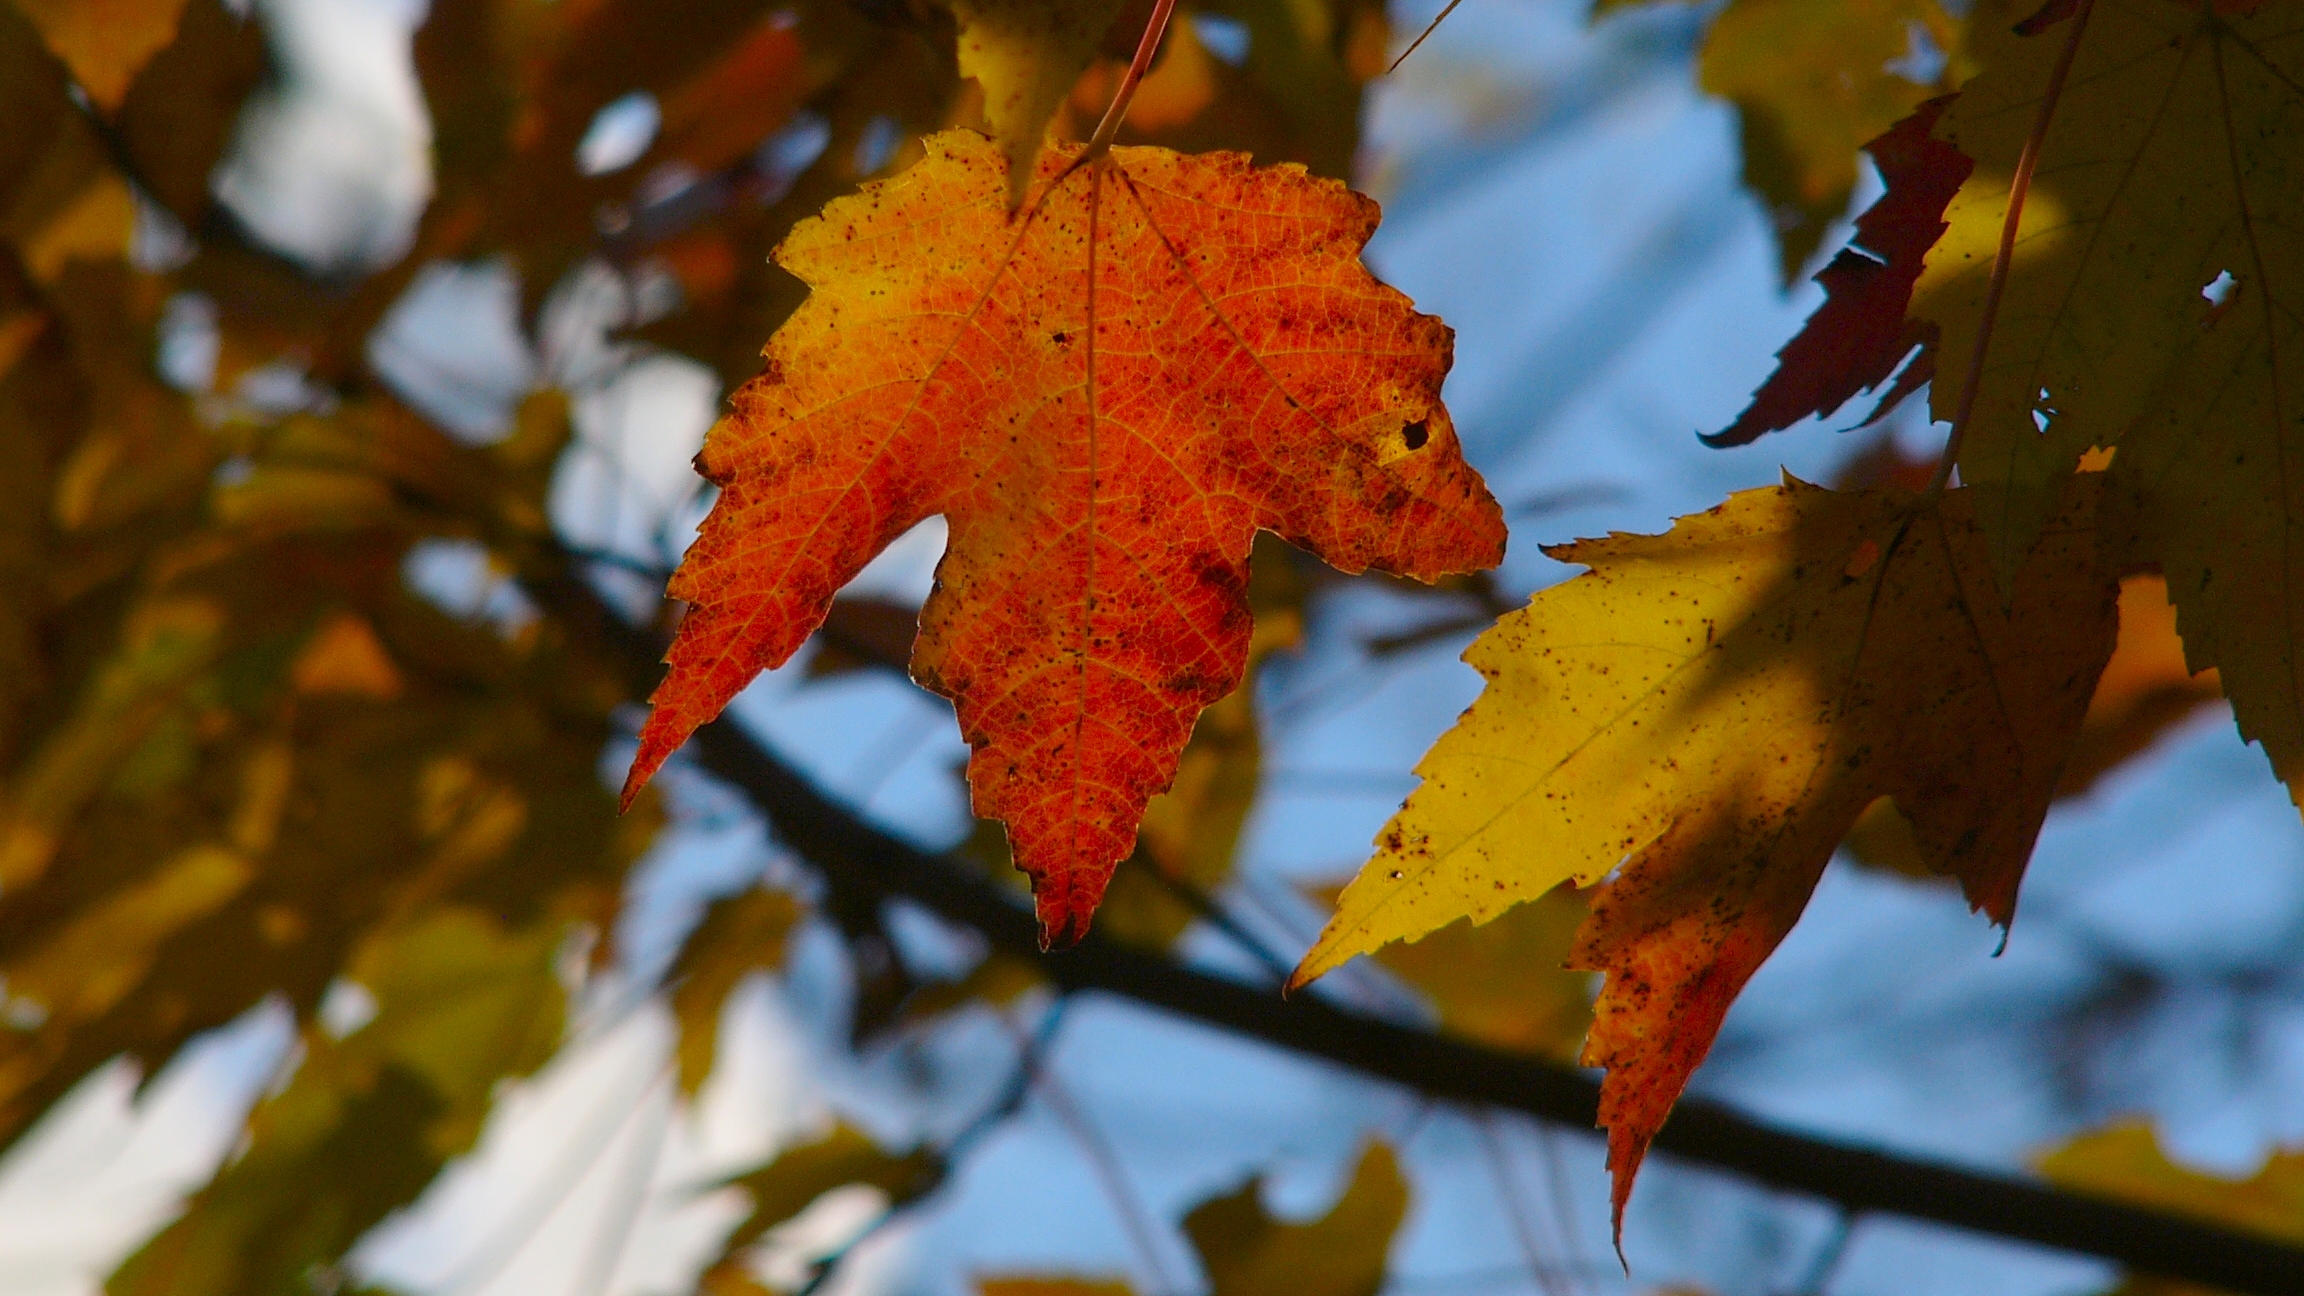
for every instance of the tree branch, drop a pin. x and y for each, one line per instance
(854, 854)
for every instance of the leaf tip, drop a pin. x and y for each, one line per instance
(1061, 931)
(1626, 1149)
(659, 738)
(1325, 956)
(634, 781)
(1064, 912)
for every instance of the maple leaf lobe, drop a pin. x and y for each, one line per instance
(1856, 340)
(1106, 396)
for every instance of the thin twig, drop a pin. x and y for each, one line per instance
(1421, 36)
(1515, 1206)
(503, 1243)
(1212, 911)
(1030, 1050)
(1829, 1256)
(1135, 1218)
(840, 842)
(622, 1215)
(1563, 1196)
(2019, 185)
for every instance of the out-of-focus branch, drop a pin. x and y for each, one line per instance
(855, 855)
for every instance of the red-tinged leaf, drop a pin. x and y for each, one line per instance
(1107, 396)
(1859, 336)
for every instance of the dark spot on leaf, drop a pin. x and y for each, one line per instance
(1416, 434)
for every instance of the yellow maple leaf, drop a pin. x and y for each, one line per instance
(1712, 709)
(2124, 1162)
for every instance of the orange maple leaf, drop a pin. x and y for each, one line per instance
(1106, 395)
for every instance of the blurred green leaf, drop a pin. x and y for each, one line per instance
(793, 1181)
(739, 935)
(1248, 1252)
(367, 1120)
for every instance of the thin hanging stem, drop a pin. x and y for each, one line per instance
(1829, 1256)
(2019, 186)
(1422, 36)
(1563, 1196)
(1514, 1205)
(1134, 1218)
(1101, 142)
(1213, 912)
(1030, 1050)
(623, 1214)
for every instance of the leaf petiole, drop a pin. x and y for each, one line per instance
(2019, 185)
(1101, 142)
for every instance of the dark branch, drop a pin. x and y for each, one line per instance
(853, 854)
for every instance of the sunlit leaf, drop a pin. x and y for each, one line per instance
(1026, 54)
(1104, 456)
(1712, 709)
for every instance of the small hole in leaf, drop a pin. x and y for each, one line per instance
(2219, 290)
(1416, 434)
(2044, 411)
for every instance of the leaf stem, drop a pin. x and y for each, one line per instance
(2019, 185)
(1422, 36)
(1101, 142)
